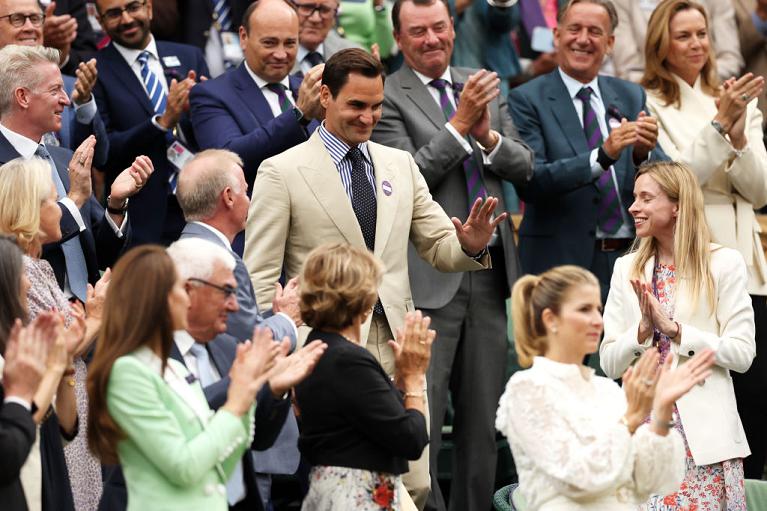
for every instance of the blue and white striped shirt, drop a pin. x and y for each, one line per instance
(338, 150)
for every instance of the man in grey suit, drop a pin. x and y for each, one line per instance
(317, 39)
(213, 195)
(458, 129)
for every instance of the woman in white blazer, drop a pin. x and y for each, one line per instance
(717, 131)
(680, 293)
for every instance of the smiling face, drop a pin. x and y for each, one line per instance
(44, 103)
(653, 211)
(132, 28)
(426, 37)
(178, 304)
(578, 325)
(27, 34)
(582, 39)
(316, 25)
(688, 50)
(271, 43)
(210, 306)
(355, 111)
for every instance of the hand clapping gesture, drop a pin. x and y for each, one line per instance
(250, 370)
(653, 315)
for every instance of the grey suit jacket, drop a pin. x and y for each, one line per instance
(241, 323)
(413, 121)
(332, 44)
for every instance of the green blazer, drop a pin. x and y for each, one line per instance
(177, 454)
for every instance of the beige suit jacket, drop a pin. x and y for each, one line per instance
(753, 45)
(733, 186)
(634, 15)
(299, 203)
(709, 412)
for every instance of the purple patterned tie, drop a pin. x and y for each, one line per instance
(474, 185)
(609, 217)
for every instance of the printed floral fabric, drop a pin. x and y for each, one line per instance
(335, 488)
(715, 487)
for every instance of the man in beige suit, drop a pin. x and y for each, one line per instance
(338, 186)
(633, 16)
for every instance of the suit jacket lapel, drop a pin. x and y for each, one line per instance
(422, 99)
(611, 98)
(387, 203)
(7, 151)
(251, 95)
(563, 109)
(325, 183)
(127, 77)
(222, 360)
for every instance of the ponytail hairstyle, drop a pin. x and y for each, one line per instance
(531, 295)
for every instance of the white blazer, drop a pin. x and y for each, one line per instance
(708, 412)
(733, 186)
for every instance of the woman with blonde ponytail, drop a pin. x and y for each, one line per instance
(678, 293)
(578, 440)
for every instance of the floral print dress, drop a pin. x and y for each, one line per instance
(335, 488)
(715, 487)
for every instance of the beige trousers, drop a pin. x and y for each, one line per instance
(417, 479)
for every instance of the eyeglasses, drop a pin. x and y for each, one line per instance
(308, 10)
(112, 15)
(227, 289)
(18, 19)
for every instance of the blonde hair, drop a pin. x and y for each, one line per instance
(17, 69)
(657, 77)
(339, 282)
(692, 251)
(531, 295)
(24, 185)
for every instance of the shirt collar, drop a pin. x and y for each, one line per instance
(131, 54)
(184, 341)
(219, 234)
(260, 82)
(26, 147)
(573, 85)
(338, 148)
(563, 371)
(683, 85)
(303, 52)
(426, 80)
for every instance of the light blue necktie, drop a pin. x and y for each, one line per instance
(152, 84)
(235, 486)
(77, 269)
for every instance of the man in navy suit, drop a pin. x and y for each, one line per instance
(142, 95)
(586, 149)
(257, 110)
(33, 99)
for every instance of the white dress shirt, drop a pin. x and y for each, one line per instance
(271, 97)
(304, 64)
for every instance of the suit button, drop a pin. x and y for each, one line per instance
(637, 353)
(209, 489)
(690, 353)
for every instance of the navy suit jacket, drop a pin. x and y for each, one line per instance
(230, 112)
(100, 244)
(127, 114)
(270, 416)
(561, 199)
(73, 133)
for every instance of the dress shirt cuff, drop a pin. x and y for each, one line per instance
(118, 229)
(155, 121)
(759, 24)
(292, 324)
(596, 168)
(70, 205)
(22, 402)
(487, 158)
(461, 140)
(86, 112)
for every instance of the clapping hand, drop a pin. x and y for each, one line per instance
(87, 75)
(291, 370)
(653, 315)
(412, 350)
(639, 383)
(130, 181)
(249, 371)
(25, 355)
(286, 300)
(475, 234)
(675, 383)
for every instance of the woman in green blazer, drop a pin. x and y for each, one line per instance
(147, 412)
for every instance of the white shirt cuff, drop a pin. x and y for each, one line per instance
(70, 205)
(292, 324)
(86, 112)
(23, 402)
(596, 168)
(464, 143)
(157, 124)
(119, 230)
(487, 158)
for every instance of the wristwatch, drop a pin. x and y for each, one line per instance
(117, 211)
(302, 120)
(718, 127)
(604, 159)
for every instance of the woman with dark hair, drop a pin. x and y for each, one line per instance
(13, 287)
(147, 412)
(358, 428)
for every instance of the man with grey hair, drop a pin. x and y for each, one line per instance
(212, 193)
(32, 99)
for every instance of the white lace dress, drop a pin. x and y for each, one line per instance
(570, 449)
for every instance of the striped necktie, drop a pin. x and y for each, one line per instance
(152, 84)
(609, 217)
(279, 89)
(222, 18)
(474, 185)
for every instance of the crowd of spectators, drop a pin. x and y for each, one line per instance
(218, 218)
